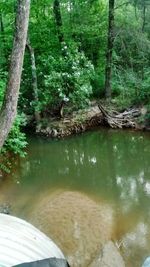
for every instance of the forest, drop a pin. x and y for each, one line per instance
(75, 133)
(76, 52)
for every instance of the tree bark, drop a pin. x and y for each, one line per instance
(59, 27)
(1, 23)
(58, 20)
(9, 107)
(144, 16)
(34, 79)
(2, 35)
(110, 44)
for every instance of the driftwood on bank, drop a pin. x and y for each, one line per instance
(119, 120)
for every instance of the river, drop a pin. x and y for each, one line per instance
(108, 167)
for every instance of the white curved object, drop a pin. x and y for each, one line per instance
(146, 262)
(20, 242)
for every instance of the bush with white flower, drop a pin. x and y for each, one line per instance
(67, 78)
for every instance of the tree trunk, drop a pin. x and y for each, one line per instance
(34, 80)
(58, 20)
(59, 27)
(110, 44)
(9, 107)
(2, 35)
(144, 16)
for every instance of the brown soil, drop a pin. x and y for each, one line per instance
(76, 123)
(84, 120)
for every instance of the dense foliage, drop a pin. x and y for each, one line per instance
(67, 78)
(70, 55)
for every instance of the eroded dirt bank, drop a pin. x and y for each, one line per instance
(94, 116)
(78, 122)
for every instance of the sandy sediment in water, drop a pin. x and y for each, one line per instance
(79, 225)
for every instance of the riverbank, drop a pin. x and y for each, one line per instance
(77, 122)
(83, 120)
(95, 116)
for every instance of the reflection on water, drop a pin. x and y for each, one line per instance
(113, 166)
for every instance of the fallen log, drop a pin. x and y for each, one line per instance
(119, 120)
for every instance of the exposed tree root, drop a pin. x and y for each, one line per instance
(125, 119)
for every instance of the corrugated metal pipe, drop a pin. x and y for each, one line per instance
(21, 244)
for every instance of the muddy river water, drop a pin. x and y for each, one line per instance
(85, 190)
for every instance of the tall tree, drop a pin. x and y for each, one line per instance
(58, 20)
(9, 107)
(1, 23)
(144, 16)
(110, 44)
(34, 80)
(2, 31)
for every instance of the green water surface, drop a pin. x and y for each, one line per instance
(108, 165)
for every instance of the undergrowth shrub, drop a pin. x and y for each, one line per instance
(14, 145)
(66, 78)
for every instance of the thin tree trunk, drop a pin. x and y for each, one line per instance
(143, 30)
(110, 44)
(34, 79)
(2, 34)
(59, 27)
(1, 23)
(144, 16)
(9, 107)
(58, 20)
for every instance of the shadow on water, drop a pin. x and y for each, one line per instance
(110, 166)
